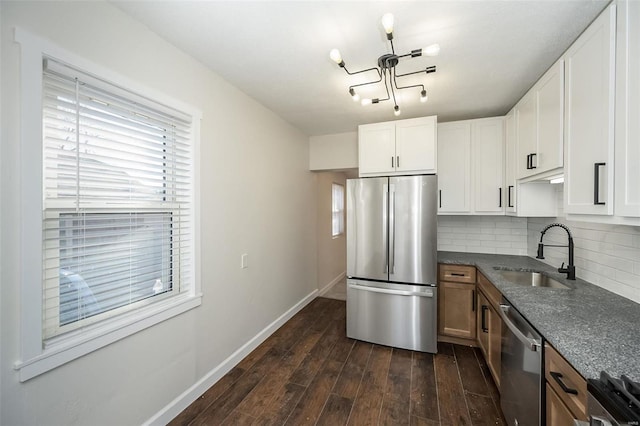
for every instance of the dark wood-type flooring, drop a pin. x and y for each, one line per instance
(309, 373)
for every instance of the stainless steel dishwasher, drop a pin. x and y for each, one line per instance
(521, 369)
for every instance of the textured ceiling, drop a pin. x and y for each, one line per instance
(277, 52)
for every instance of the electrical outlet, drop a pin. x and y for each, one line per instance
(244, 261)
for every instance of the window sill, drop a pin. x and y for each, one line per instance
(68, 349)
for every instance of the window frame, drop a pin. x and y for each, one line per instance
(340, 211)
(36, 357)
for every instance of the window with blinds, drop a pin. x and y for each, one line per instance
(117, 187)
(337, 209)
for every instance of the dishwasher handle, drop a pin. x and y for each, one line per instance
(531, 344)
(427, 293)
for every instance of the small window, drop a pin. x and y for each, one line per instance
(337, 209)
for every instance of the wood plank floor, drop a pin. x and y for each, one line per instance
(309, 373)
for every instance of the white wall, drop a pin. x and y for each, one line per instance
(333, 152)
(332, 251)
(483, 234)
(257, 197)
(605, 255)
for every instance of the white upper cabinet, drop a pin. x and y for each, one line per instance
(550, 112)
(471, 167)
(454, 167)
(589, 118)
(377, 148)
(539, 123)
(526, 145)
(416, 145)
(487, 151)
(627, 149)
(510, 164)
(403, 147)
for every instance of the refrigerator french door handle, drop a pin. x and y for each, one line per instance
(385, 226)
(392, 229)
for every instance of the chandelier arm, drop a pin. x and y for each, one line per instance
(359, 72)
(392, 74)
(427, 70)
(392, 48)
(369, 82)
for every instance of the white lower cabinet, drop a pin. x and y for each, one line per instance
(471, 167)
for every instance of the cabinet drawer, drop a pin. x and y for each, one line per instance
(493, 294)
(568, 384)
(458, 273)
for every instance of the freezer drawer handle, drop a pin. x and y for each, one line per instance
(532, 344)
(389, 291)
(558, 378)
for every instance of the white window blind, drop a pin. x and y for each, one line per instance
(117, 187)
(337, 209)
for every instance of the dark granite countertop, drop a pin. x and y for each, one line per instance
(591, 327)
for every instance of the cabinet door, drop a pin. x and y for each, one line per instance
(376, 148)
(510, 161)
(494, 356)
(489, 330)
(483, 324)
(527, 137)
(550, 113)
(627, 147)
(457, 310)
(557, 413)
(416, 145)
(488, 163)
(589, 109)
(454, 167)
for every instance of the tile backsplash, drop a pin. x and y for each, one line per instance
(483, 234)
(605, 255)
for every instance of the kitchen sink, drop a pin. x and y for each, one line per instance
(530, 278)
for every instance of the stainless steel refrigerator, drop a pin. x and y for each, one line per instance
(392, 261)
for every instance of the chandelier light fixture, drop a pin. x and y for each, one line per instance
(386, 69)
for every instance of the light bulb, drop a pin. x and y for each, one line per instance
(396, 110)
(431, 50)
(354, 95)
(365, 101)
(423, 96)
(335, 56)
(387, 23)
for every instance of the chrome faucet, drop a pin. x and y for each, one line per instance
(570, 270)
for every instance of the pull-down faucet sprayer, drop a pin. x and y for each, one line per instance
(570, 270)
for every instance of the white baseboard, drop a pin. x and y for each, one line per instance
(334, 281)
(175, 407)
